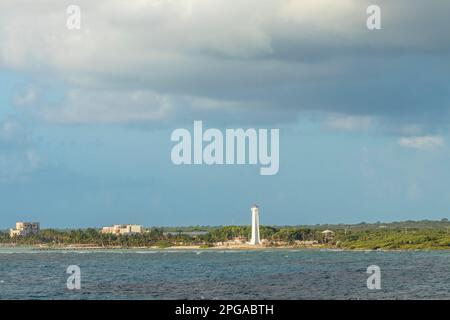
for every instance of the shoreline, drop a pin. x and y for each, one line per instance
(201, 248)
(185, 247)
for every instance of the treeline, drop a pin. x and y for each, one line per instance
(442, 224)
(289, 235)
(389, 239)
(87, 237)
(345, 238)
(157, 237)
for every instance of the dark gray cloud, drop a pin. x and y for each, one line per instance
(156, 61)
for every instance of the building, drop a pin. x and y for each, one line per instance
(122, 229)
(255, 240)
(24, 229)
(328, 235)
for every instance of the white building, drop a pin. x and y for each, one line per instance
(24, 228)
(122, 229)
(255, 226)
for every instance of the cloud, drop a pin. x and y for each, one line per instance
(104, 106)
(422, 142)
(350, 123)
(274, 57)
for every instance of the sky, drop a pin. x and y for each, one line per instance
(86, 114)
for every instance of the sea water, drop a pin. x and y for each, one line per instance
(223, 274)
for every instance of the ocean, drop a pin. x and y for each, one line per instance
(223, 274)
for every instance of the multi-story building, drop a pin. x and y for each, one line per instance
(121, 229)
(24, 229)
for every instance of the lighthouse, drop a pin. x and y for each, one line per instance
(255, 226)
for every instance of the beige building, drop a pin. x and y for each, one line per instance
(328, 235)
(24, 228)
(122, 229)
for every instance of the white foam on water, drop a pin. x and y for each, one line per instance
(145, 252)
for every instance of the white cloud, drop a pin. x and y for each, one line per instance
(105, 106)
(422, 142)
(350, 123)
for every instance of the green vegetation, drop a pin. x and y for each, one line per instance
(91, 237)
(386, 236)
(285, 234)
(163, 244)
(206, 246)
(394, 239)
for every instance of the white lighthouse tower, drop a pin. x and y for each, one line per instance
(255, 226)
